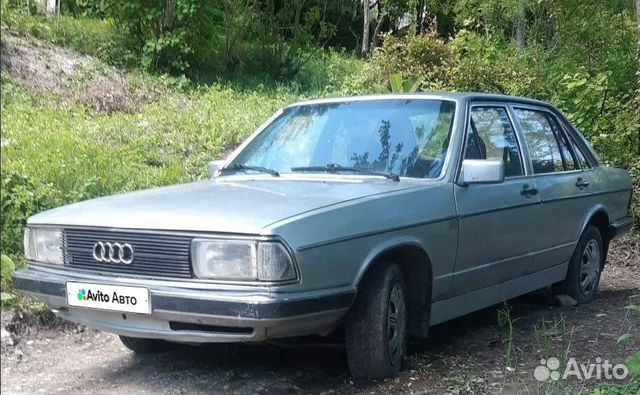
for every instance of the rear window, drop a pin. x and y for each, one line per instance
(544, 149)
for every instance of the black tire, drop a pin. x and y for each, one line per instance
(585, 267)
(146, 346)
(376, 327)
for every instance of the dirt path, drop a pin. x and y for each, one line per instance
(463, 356)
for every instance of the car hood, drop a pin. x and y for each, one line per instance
(234, 205)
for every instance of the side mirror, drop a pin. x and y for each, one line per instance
(214, 168)
(482, 171)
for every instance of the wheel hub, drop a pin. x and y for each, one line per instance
(589, 266)
(396, 323)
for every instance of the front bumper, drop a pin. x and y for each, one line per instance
(197, 315)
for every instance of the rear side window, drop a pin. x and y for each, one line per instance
(491, 136)
(542, 140)
(584, 163)
(568, 158)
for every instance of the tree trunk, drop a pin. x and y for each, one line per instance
(638, 23)
(638, 32)
(365, 30)
(419, 16)
(374, 40)
(520, 25)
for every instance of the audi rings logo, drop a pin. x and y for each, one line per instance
(113, 252)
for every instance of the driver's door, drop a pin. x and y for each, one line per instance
(498, 222)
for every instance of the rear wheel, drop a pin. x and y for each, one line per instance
(145, 346)
(585, 267)
(376, 327)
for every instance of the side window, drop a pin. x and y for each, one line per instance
(541, 139)
(568, 158)
(491, 136)
(584, 163)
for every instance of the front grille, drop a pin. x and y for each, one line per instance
(155, 255)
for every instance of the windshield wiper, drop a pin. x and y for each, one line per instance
(245, 168)
(336, 168)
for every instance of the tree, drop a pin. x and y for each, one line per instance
(520, 24)
(293, 31)
(237, 16)
(638, 26)
(421, 11)
(638, 33)
(365, 29)
(382, 18)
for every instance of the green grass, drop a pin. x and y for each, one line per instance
(89, 36)
(56, 156)
(630, 388)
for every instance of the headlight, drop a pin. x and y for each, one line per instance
(43, 244)
(242, 260)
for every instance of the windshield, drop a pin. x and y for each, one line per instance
(408, 138)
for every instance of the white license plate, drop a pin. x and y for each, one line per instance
(109, 297)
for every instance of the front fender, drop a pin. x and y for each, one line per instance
(386, 246)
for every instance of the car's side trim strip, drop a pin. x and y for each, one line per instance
(448, 218)
(495, 210)
(543, 202)
(502, 261)
(460, 305)
(372, 233)
(558, 199)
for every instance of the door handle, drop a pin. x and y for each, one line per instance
(527, 191)
(581, 184)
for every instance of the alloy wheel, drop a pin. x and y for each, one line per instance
(396, 323)
(589, 267)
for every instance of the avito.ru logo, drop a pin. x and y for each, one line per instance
(549, 369)
(99, 296)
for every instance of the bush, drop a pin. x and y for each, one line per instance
(595, 99)
(424, 56)
(7, 267)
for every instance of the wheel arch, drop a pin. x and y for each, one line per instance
(415, 264)
(599, 217)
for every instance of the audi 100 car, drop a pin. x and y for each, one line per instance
(376, 217)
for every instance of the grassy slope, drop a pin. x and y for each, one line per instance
(64, 155)
(56, 151)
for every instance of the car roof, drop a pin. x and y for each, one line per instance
(459, 97)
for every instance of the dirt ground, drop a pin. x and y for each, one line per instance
(65, 78)
(467, 355)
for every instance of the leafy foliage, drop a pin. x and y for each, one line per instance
(52, 158)
(7, 267)
(426, 57)
(167, 32)
(238, 60)
(399, 85)
(579, 56)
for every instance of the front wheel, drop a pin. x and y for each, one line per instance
(376, 327)
(585, 267)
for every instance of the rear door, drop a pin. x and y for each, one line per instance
(498, 222)
(564, 187)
